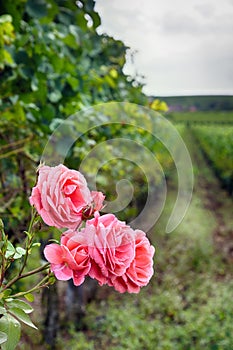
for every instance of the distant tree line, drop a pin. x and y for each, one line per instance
(198, 103)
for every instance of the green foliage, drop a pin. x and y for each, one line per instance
(77, 341)
(14, 311)
(208, 117)
(158, 105)
(120, 148)
(217, 144)
(11, 328)
(188, 304)
(165, 320)
(185, 306)
(59, 65)
(199, 103)
(53, 64)
(7, 37)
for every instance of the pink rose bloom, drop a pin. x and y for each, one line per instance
(97, 198)
(61, 196)
(111, 246)
(97, 204)
(107, 250)
(141, 268)
(70, 259)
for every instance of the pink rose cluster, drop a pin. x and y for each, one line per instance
(104, 248)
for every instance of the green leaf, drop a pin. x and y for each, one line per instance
(29, 297)
(10, 246)
(12, 328)
(36, 8)
(74, 82)
(5, 294)
(5, 18)
(20, 304)
(55, 96)
(22, 316)
(28, 234)
(19, 253)
(96, 19)
(21, 250)
(34, 83)
(7, 58)
(37, 244)
(1, 225)
(2, 310)
(3, 337)
(10, 250)
(52, 280)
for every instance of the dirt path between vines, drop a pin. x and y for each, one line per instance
(214, 198)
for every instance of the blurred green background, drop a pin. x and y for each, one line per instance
(53, 63)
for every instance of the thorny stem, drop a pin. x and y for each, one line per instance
(3, 260)
(10, 153)
(28, 241)
(29, 273)
(16, 143)
(2, 269)
(42, 284)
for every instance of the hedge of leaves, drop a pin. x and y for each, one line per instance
(217, 144)
(52, 63)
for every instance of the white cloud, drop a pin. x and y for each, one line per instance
(206, 9)
(184, 47)
(180, 23)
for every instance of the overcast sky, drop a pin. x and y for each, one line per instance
(183, 47)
